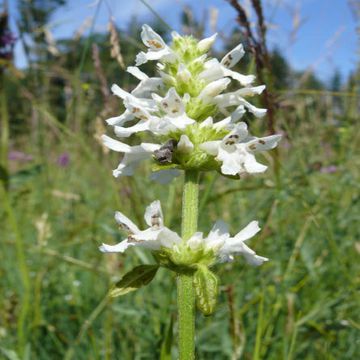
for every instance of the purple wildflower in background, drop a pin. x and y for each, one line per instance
(63, 160)
(7, 38)
(19, 156)
(328, 169)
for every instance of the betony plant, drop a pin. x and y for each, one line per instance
(198, 128)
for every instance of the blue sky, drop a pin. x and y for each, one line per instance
(325, 40)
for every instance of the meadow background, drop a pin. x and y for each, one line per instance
(58, 196)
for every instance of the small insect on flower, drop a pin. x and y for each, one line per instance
(165, 153)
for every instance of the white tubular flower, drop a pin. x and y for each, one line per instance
(147, 84)
(183, 73)
(213, 89)
(132, 154)
(185, 145)
(132, 104)
(154, 237)
(224, 247)
(236, 151)
(236, 245)
(204, 45)
(175, 117)
(233, 56)
(236, 99)
(215, 70)
(158, 50)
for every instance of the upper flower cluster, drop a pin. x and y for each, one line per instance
(186, 109)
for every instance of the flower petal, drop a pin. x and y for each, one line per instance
(120, 120)
(231, 161)
(213, 89)
(126, 132)
(208, 122)
(172, 103)
(152, 39)
(254, 259)
(185, 145)
(233, 56)
(168, 238)
(153, 215)
(125, 223)
(262, 144)
(115, 144)
(204, 45)
(135, 71)
(195, 241)
(252, 166)
(120, 247)
(248, 232)
(210, 147)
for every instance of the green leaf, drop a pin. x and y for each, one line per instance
(206, 290)
(134, 279)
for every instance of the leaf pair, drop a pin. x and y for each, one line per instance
(205, 284)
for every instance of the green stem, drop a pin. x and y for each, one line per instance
(186, 295)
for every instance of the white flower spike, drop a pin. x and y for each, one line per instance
(188, 104)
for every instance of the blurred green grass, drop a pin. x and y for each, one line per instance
(303, 304)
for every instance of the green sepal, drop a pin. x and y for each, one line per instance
(206, 290)
(134, 279)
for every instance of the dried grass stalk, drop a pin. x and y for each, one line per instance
(115, 45)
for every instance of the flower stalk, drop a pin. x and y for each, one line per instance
(185, 287)
(195, 123)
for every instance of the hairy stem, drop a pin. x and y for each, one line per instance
(186, 295)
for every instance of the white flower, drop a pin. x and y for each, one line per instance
(204, 45)
(170, 111)
(236, 151)
(213, 88)
(147, 84)
(233, 56)
(226, 247)
(215, 70)
(132, 154)
(236, 98)
(154, 237)
(183, 73)
(157, 49)
(185, 145)
(135, 107)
